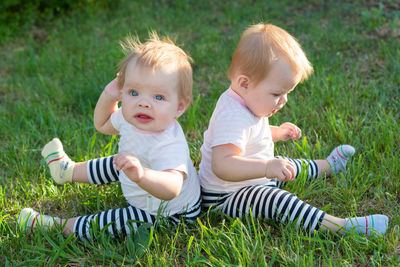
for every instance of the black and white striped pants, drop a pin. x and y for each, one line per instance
(119, 222)
(269, 201)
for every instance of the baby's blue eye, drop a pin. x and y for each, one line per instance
(159, 97)
(133, 93)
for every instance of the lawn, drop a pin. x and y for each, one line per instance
(51, 75)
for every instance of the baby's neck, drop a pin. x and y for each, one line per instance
(234, 87)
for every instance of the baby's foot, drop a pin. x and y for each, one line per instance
(339, 157)
(369, 225)
(61, 166)
(28, 219)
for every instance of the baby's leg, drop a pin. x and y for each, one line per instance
(64, 170)
(119, 222)
(189, 214)
(338, 159)
(334, 163)
(368, 225)
(274, 203)
(268, 202)
(309, 166)
(101, 170)
(61, 166)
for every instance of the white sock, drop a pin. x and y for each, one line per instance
(61, 166)
(339, 157)
(368, 225)
(28, 219)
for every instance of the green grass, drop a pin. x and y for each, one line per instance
(51, 77)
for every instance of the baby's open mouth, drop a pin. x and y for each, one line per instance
(144, 118)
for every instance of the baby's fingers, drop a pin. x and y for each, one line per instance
(287, 175)
(282, 176)
(120, 163)
(297, 133)
(128, 165)
(292, 171)
(120, 160)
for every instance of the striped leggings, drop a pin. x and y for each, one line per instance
(119, 222)
(269, 201)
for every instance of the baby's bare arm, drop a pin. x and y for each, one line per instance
(106, 105)
(229, 165)
(285, 131)
(164, 185)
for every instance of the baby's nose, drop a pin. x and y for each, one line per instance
(283, 100)
(143, 103)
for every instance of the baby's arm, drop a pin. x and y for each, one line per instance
(164, 185)
(229, 165)
(107, 105)
(285, 132)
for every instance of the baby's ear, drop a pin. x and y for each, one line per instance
(242, 81)
(121, 80)
(182, 106)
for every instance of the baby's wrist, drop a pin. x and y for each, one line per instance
(141, 176)
(267, 167)
(109, 97)
(280, 136)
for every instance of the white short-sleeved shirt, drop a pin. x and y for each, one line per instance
(232, 123)
(166, 150)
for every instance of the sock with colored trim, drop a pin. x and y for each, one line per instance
(339, 157)
(368, 225)
(29, 219)
(61, 166)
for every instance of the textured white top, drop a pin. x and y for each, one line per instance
(232, 123)
(166, 150)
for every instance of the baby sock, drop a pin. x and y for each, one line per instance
(29, 219)
(61, 166)
(368, 225)
(339, 157)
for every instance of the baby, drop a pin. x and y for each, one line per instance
(238, 170)
(153, 165)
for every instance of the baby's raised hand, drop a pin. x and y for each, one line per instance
(281, 169)
(130, 165)
(112, 90)
(288, 131)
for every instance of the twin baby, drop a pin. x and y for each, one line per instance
(238, 171)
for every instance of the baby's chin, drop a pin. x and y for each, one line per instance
(269, 114)
(148, 128)
(273, 112)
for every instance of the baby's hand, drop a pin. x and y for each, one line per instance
(281, 169)
(288, 131)
(112, 90)
(131, 166)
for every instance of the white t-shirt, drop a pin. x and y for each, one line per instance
(232, 123)
(166, 150)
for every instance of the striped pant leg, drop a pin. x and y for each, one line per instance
(268, 202)
(189, 215)
(118, 222)
(213, 199)
(102, 171)
(309, 166)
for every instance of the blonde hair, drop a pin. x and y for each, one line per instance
(259, 46)
(156, 53)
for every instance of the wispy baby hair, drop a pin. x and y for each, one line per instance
(154, 53)
(260, 45)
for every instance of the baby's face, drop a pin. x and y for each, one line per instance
(270, 95)
(150, 100)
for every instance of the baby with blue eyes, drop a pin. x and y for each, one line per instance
(153, 164)
(150, 98)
